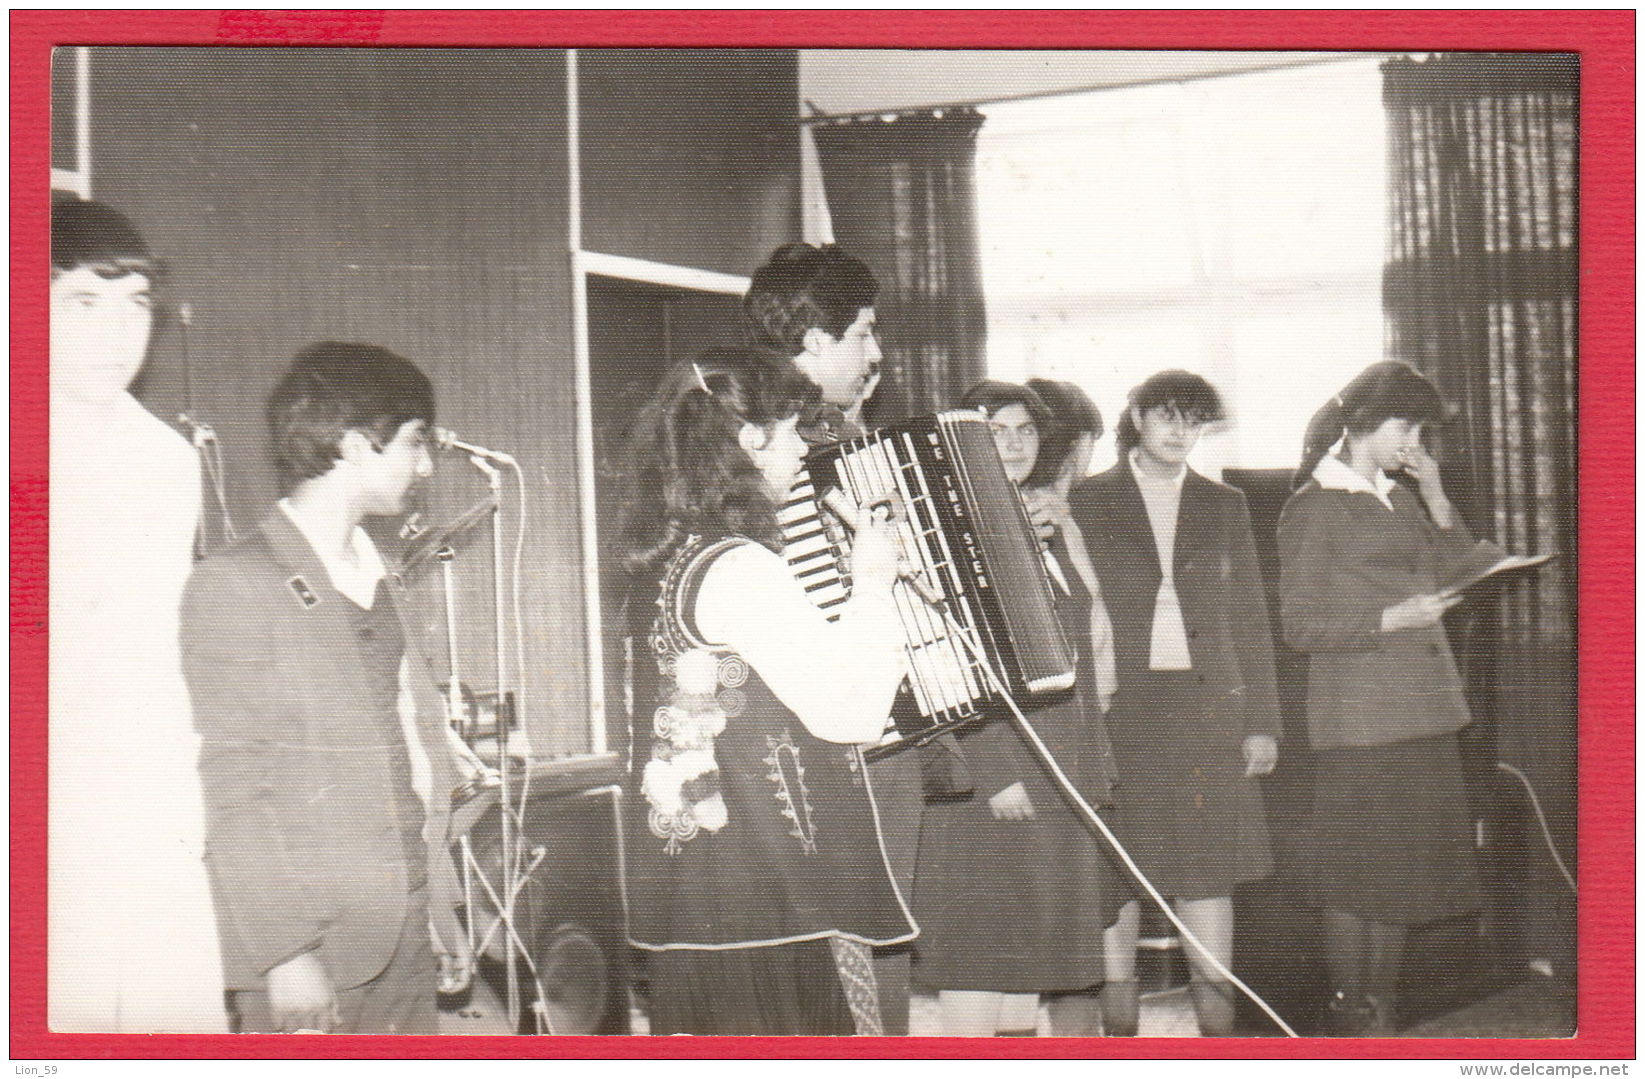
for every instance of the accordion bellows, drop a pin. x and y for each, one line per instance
(979, 588)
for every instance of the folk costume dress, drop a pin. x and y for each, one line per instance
(1390, 839)
(133, 943)
(753, 840)
(1019, 906)
(1194, 659)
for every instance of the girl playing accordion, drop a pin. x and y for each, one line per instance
(757, 878)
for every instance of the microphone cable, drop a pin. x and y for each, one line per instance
(938, 604)
(1542, 820)
(204, 440)
(1074, 796)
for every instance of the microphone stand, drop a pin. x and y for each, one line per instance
(509, 862)
(454, 692)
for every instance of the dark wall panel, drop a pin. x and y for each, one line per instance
(690, 156)
(64, 154)
(415, 199)
(636, 332)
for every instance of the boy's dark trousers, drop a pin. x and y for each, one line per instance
(400, 1000)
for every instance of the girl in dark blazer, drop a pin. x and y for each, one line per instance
(1195, 718)
(1012, 892)
(1362, 564)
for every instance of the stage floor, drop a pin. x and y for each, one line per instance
(1536, 1008)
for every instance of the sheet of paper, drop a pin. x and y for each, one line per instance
(1490, 563)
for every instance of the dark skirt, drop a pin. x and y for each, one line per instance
(1185, 810)
(1011, 906)
(1391, 839)
(783, 989)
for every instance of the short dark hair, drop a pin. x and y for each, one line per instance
(1183, 392)
(89, 234)
(687, 473)
(1073, 414)
(802, 287)
(332, 388)
(1383, 391)
(989, 396)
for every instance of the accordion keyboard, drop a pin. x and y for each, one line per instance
(973, 582)
(812, 548)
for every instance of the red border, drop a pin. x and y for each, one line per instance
(1604, 38)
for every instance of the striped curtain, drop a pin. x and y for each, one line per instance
(1480, 293)
(902, 197)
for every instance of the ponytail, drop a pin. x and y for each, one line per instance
(1324, 430)
(1381, 392)
(1126, 435)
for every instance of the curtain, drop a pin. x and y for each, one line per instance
(902, 197)
(1480, 293)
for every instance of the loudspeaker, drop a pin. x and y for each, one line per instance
(570, 966)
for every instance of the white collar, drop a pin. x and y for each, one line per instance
(1333, 472)
(357, 581)
(1147, 477)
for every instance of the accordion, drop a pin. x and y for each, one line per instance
(975, 585)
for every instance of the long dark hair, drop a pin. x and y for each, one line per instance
(1383, 391)
(1073, 414)
(687, 472)
(1183, 392)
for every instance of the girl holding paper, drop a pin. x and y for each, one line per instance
(1363, 561)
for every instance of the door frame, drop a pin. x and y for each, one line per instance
(586, 264)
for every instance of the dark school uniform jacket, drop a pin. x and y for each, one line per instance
(1218, 585)
(1344, 558)
(304, 843)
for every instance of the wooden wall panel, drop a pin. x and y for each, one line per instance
(418, 199)
(690, 156)
(415, 199)
(636, 332)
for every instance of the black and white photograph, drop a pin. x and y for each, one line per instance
(814, 542)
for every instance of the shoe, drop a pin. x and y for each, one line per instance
(1213, 1007)
(1382, 1023)
(1347, 1016)
(1360, 1015)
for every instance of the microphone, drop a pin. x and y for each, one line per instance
(200, 434)
(447, 439)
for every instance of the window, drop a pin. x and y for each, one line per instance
(1231, 226)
